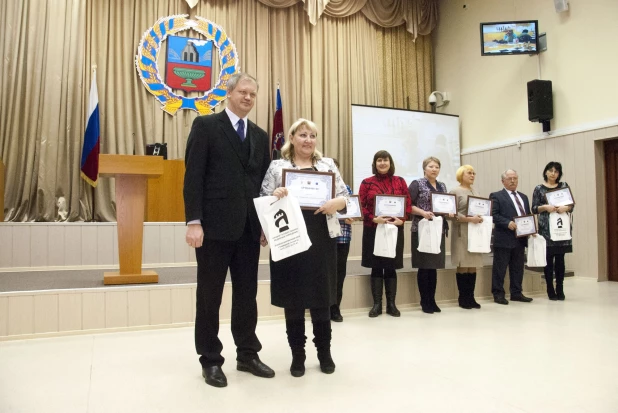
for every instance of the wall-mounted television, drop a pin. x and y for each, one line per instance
(509, 38)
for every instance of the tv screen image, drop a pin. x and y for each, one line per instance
(502, 38)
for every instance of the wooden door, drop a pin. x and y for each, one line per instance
(611, 182)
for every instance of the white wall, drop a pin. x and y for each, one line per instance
(489, 93)
(490, 96)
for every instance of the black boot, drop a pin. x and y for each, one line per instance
(560, 281)
(433, 284)
(296, 339)
(335, 313)
(560, 287)
(462, 286)
(471, 287)
(390, 285)
(376, 292)
(423, 289)
(549, 281)
(322, 338)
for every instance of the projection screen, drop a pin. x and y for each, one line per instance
(409, 136)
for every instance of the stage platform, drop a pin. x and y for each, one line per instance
(51, 281)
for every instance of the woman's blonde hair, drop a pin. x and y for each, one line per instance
(461, 170)
(287, 151)
(430, 159)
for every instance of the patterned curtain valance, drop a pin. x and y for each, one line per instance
(419, 16)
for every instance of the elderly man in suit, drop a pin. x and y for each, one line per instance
(508, 249)
(226, 159)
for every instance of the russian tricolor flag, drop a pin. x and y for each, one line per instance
(90, 152)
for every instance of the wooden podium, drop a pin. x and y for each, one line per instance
(131, 173)
(165, 201)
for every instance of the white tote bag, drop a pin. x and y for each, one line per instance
(430, 235)
(284, 226)
(537, 247)
(559, 226)
(479, 235)
(385, 244)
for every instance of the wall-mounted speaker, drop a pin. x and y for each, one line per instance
(540, 101)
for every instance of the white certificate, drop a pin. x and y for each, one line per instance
(526, 225)
(353, 209)
(560, 197)
(478, 206)
(443, 204)
(311, 188)
(393, 206)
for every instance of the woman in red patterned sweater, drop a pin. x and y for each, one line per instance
(383, 182)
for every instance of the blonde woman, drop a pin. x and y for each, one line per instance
(466, 262)
(307, 280)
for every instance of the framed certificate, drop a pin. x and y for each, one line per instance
(443, 204)
(311, 188)
(526, 225)
(560, 197)
(353, 209)
(478, 206)
(393, 206)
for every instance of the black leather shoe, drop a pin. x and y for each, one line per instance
(500, 300)
(214, 376)
(255, 367)
(520, 297)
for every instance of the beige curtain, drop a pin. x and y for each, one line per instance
(45, 74)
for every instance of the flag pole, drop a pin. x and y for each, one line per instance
(93, 71)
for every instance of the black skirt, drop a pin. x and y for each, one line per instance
(308, 279)
(424, 260)
(558, 249)
(371, 261)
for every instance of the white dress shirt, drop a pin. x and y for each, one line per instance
(234, 119)
(515, 202)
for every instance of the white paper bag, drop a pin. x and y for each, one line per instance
(479, 235)
(559, 226)
(537, 247)
(385, 244)
(430, 235)
(284, 226)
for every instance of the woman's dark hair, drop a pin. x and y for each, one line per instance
(383, 155)
(557, 166)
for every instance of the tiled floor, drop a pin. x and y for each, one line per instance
(539, 357)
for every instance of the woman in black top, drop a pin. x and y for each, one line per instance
(555, 249)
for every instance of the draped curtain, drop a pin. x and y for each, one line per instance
(354, 53)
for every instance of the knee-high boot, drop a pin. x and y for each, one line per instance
(560, 284)
(549, 281)
(296, 339)
(376, 292)
(423, 289)
(390, 285)
(322, 338)
(433, 278)
(471, 287)
(462, 286)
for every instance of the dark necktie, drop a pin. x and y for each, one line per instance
(522, 211)
(241, 130)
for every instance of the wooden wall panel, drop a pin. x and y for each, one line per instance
(581, 157)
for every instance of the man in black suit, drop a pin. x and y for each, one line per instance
(508, 249)
(226, 159)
